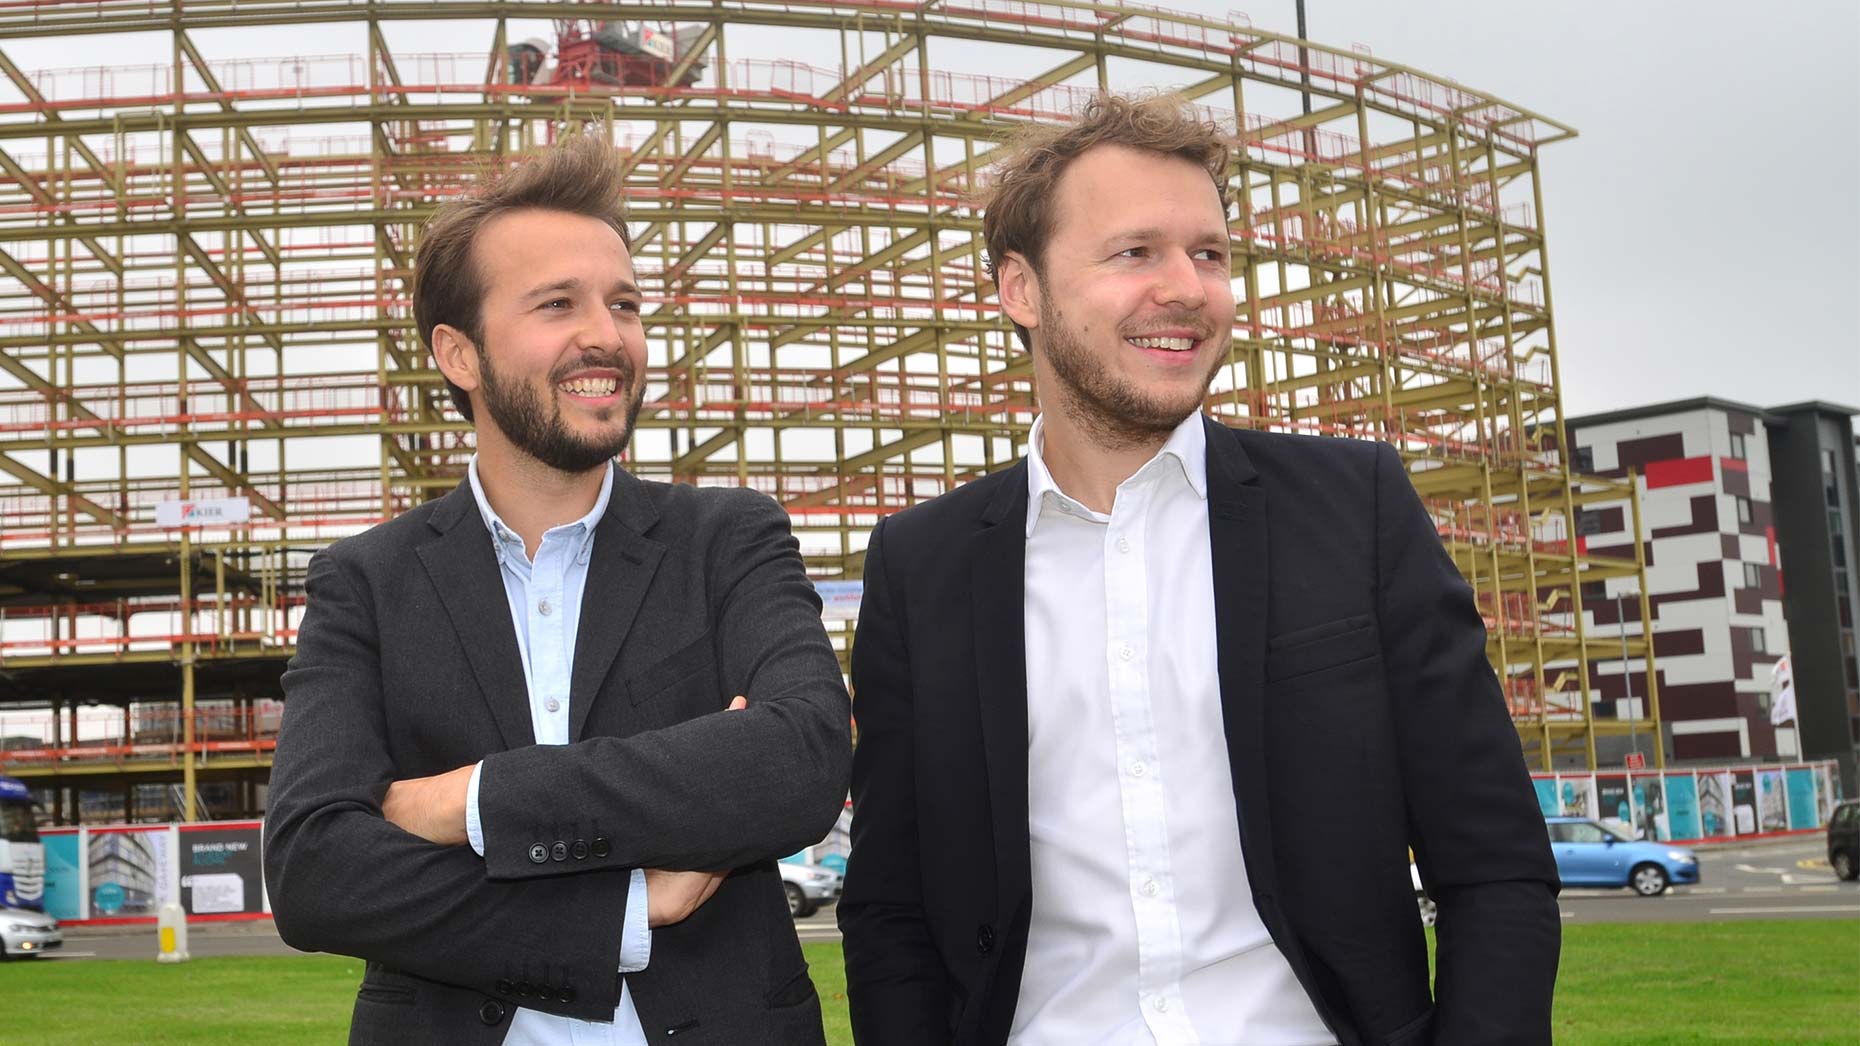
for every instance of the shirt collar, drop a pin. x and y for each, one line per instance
(501, 534)
(1187, 447)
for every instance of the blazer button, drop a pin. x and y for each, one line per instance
(505, 986)
(580, 849)
(491, 1012)
(559, 851)
(985, 938)
(600, 846)
(545, 992)
(565, 994)
(538, 853)
(524, 989)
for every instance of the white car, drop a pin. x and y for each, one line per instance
(808, 887)
(1421, 899)
(28, 933)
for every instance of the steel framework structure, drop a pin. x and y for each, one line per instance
(204, 268)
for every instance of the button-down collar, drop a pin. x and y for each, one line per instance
(1187, 447)
(505, 540)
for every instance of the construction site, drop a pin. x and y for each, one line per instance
(211, 371)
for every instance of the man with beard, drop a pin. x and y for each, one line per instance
(1149, 721)
(516, 771)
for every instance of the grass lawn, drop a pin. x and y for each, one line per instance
(1756, 982)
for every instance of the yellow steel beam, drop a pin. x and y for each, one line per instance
(856, 80)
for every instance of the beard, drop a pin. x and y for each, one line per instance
(540, 431)
(1114, 414)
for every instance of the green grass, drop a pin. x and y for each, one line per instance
(1754, 982)
(1757, 982)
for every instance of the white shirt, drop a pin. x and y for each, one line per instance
(1143, 930)
(545, 606)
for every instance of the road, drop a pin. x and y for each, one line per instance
(1777, 880)
(1788, 879)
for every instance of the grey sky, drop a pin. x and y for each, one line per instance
(1704, 229)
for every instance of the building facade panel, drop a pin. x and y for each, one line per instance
(1749, 516)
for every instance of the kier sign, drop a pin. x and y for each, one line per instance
(1637, 761)
(208, 512)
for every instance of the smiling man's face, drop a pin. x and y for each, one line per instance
(1133, 304)
(562, 362)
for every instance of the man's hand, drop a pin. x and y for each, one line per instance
(671, 897)
(432, 808)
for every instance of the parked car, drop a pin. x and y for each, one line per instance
(1844, 840)
(808, 887)
(28, 933)
(1587, 854)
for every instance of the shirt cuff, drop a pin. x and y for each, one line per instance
(474, 829)
(636, 933)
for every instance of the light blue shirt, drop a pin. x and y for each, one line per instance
(545, 605)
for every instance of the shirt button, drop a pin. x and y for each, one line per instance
(543, 608)
(1138, 769)
(1150, 889)
(1160, 1002)
(1125, 653)
(1123, 544)
(553, 705)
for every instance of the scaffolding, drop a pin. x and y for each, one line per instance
(205, 266)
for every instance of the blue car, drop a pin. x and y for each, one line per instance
(1588, 854)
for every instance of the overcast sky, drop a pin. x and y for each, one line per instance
(1704, 229)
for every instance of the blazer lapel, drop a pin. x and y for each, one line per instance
(619, 572)
(998, 555)
(462, 563)
(1237, 536)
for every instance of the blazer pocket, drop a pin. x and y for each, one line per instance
(1312, 650)
(385, 984)
(797, 990)
(386, 994)
(693, 659)
(1416, 1032)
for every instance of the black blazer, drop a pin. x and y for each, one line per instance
(1361, 715)
(407, 665)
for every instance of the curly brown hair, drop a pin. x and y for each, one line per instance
(1016, 202)
(580, 175)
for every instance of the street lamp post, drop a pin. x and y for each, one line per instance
(1627, 675)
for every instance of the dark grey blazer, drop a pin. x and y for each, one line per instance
(1361, 718)
(407, 665)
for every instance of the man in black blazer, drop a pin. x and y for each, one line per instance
(1148, 723)
(506, 718)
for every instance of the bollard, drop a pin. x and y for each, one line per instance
(173, 926)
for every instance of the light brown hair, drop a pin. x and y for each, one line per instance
(580, 175)
(1017, 200)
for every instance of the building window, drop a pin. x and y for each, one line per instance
(1744, 512)
(1737, 445)
(1585, 459)
(1753, 576)
(1756, 641)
